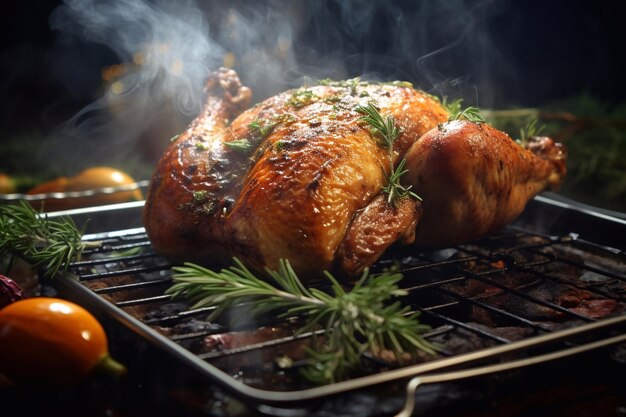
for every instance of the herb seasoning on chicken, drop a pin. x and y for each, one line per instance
(330, 176)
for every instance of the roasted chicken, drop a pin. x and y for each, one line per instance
(306, 176)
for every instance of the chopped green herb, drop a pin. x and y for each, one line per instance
(239, 145)
(279, 145)
(301, 98)
(332, 99)
(284, 118)
(263, 127)
(199, 196)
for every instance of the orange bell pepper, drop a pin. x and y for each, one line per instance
(52, 341)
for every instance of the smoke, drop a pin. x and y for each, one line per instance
(164, 52)
(166, 41)
(158, 54)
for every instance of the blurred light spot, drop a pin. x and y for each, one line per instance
(229, 60)
(85, 334)
(117, 177)
(139, 58)
(283, 47)
(113, 71)
(177, 67)
(117, 87)
(162, 48)
(60, 308)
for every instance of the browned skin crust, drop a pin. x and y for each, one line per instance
(309, 189)
(374, 229)
(192, 180)
(475, 179)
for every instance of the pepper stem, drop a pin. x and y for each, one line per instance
(109, 366)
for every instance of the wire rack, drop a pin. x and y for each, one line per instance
(518, 298)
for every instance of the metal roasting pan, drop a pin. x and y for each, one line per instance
(552, 218)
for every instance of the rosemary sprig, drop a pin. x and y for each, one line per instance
(529, 130)
(379, 126)
(354, 321)
(387, 130)
(394, 189)
(471, 114)
(453, 107)
(456, 111)
(50, 244)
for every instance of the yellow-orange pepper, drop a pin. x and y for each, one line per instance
(89, 179)
(50, 340)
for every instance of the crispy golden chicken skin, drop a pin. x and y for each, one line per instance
(301, 175)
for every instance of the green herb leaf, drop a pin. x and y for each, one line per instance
(394, 189)
(302, 97)
(263, 127)
(529, 131)
(50, 244)
(471, 114)
(456, 111)
(239, 145)
(385, 127)
(453, 107)
(354, 321)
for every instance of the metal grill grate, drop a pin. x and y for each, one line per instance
(514, 295)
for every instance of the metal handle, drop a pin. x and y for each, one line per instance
(414, 383)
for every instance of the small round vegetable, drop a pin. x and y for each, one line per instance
(89, 179)
(7, 185)
(53, 186)
(99, 177)
(52, 341)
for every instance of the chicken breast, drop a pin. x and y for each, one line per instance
(304, 175)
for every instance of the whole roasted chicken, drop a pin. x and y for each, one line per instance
(328, 177)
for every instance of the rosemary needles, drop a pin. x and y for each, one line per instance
(386, 127)
(354, 322)
(457, 112)
(45, 243)
(387, 130)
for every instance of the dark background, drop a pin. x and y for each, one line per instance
(537, 51)
(495, 54)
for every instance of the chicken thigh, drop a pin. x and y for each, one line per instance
(304, 176)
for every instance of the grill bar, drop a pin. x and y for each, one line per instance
(474, 329)
(515, 317)
(510, 293)
(126, 287)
